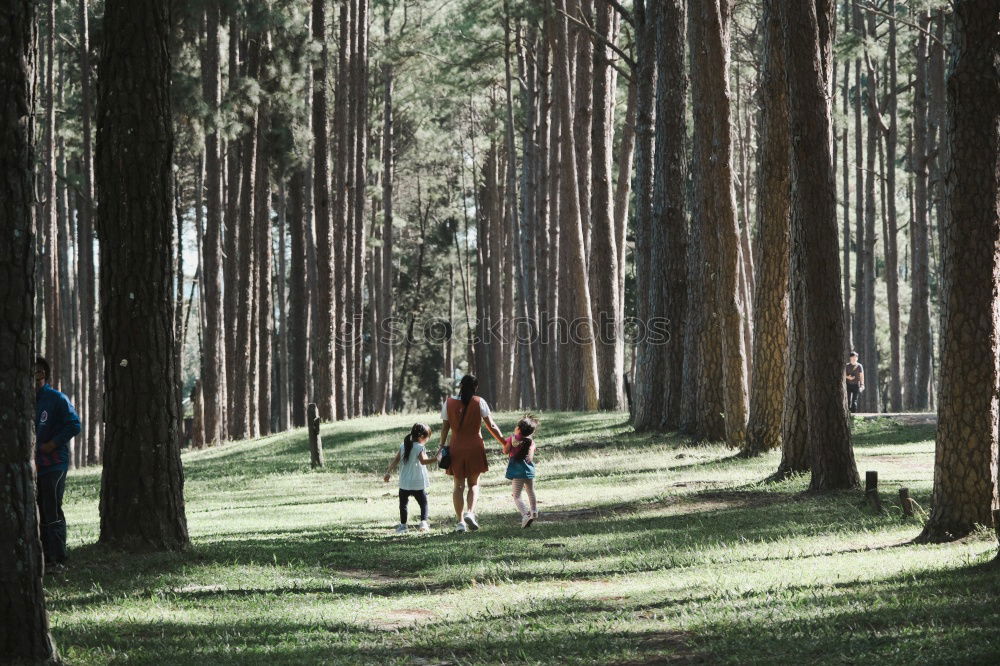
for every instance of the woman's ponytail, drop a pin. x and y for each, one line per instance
(417, 432)
(467, 388)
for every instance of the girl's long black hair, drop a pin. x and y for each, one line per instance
(528, 424)
(417, 432)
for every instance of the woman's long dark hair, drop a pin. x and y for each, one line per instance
(527, 425)
(467, 388)
(417, 432)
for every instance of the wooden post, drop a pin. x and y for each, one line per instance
(906, 502)
(871, 490)
(315, 443)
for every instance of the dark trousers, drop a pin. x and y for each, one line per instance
(404, 499)
(51, 486)
(853, 395)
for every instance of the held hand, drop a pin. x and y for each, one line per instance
(385, 478)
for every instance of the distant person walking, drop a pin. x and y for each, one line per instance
(56, 422)
(854, 376)
(462, 417)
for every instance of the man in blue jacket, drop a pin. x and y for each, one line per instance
(56, 422)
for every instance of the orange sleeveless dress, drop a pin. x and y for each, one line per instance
(468, 453)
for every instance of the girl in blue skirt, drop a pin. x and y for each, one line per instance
(521, 467)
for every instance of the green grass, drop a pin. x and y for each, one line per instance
(647, 551)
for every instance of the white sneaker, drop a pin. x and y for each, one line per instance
(401, 529)
(470, 520)
(424, 526)
(526, 520)
(461, 528)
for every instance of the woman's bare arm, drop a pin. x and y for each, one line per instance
(445, 429)
(493, 429)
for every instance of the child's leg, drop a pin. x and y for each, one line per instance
(516, 486)
(421, 496)
(529, 487)
(404, 497)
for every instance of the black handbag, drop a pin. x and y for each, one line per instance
(445, 461)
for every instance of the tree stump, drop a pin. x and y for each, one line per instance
(906, 502)
(871, 491)
(315, 442)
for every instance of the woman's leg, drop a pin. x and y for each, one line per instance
(516, 487)
(458, 496)
(473, 496)
(421, 497)
(529, 487)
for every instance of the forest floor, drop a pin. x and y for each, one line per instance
(647, 551)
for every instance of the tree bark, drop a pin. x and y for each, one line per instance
(814, 239)
(263, 260)
(298, 300)
(359, 114)
(571, 222)
(869, 352)
(965, 459)
(891, 226)
(142, 464)
(770, 344)
(647, 390)
(916, 368)
(323, 333)
(723, 358)
(24, 626)
(383, 335)
(214, 356)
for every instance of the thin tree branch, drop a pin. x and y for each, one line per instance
(600, 39)
(625, 14)
(913, 25)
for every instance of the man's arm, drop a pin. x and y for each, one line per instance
(861, 378)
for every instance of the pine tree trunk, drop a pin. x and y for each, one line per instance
(298, 300)
(916, 368)
(647, 392)
(721, 414)
(603, 242)
(24, 627)
(244, 405)
(142, 464)
(770, 344)
(571, 222)
(231, 267)
(341, 203)
(263, 262)
(814, 239)
(359, 119)
(846, 268)
(965, 459)
(385, 339)
(668, 260)
(213, 359)
(323, 332)
(891, 226)
(869, 353)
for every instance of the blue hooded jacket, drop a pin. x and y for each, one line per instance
(55, 421)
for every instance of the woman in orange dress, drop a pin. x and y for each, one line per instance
(463, 416)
